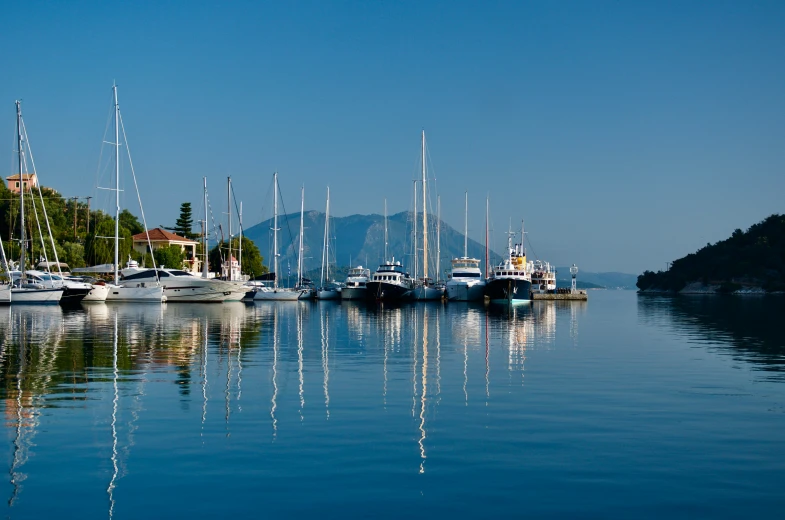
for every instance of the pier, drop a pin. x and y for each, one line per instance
(578, 295)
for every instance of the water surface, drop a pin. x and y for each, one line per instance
(620, 407)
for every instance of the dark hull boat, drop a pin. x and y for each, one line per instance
(508, 290)
(384, 291)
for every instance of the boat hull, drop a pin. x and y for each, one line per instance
(97, 294)
(328, 294)
(508, 290)
(458, 291)
(139, 294)
(383, 291)
(279, 295)
(204, 294)
(36, 296)
(428, 293)
(5, 294)
(73, 295)
(353, 293)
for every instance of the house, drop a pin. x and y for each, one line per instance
(162, 238)
(29, 181)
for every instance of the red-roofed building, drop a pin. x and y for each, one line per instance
(29, 181)
(163, 238)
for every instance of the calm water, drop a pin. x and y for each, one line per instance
(624, 406)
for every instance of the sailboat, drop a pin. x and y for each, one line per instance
(465, 282)
(330, 290)
(276, 293)
(424, 288)
(128, 290)
(23, 290)
(305, 286)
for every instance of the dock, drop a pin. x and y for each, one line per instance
(579, 295)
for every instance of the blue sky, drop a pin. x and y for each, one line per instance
(626, 134)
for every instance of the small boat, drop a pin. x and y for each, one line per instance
(390, 282)
(275, 293)
(330, 290)
(130, 290)
(355, 285)
(543, 277)
(24, 290)
(510, 281)
(425, 288)
(465, 282)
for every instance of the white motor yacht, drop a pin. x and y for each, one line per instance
(465, 282)
(354, 287)
(182, 286)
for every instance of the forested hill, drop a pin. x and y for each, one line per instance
(752, 258)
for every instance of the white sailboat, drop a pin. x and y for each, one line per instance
(23, 291)
(425, 289)
(465, 282)
(306, 288)
(276, 293)
(128, 291)
(329, 290)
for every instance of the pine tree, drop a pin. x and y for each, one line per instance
(185, 222)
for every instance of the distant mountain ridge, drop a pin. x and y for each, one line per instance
(358, 239)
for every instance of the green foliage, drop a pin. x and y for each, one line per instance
(72, 254)
(129, 221)
(253, 263)
(169, 256)
(100, 250)
(756, 256)
(185, 222)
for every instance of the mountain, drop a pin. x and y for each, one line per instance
(358, 239)
(747, 260)
(610, 280)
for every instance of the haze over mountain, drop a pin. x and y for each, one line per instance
(358, 239)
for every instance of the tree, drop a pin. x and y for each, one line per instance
(100, 250)
(129, 221)
(169, 256)
(184, 223)
(253, 263)
(73, 254)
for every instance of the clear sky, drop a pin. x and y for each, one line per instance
(626, 134)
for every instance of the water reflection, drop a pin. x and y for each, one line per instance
(59, 359)
(749, 328)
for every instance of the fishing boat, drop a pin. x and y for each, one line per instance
(510, 281)
(128, 290)
(465, 282)
(275, 293)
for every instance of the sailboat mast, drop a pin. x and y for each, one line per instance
(240, 244)
(424, 216)
(117, 185)
(300, 249)
(487, 199)
(466, 225)
(327, 238)
(414, 229)
(324, 239)
(385, 231)
(23, 237)
(438, 237)
(205, 267)
(229, 213)
(275, 230)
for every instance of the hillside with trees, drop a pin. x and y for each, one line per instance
(752, 258)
